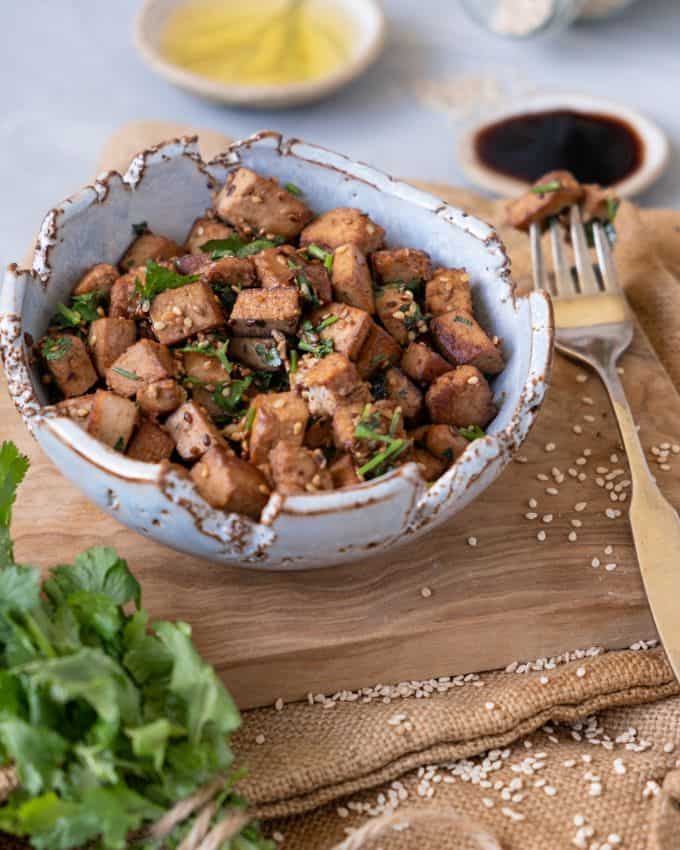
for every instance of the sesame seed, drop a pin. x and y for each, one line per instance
(581, 672)
(542, 477)
(582, 476)
(550, 790)
(580, 506)
(472, 541)
(668, 747)
(489, 706)
(552, 491)
(576, 523)
(581, 378)
(587, 400)
(595, 563)
(573, 472)
(577, 429)
(581, 461)
(278, 705)
(613, 458)
(587, 417)
(533, 503)
(541, 536)
(550, 447)
(548, 518)
(619, 767)
(425, 592)
(530, 515)
(259, 739)
(610, 567)
(608, 550)
(571, 537)
(544, 680)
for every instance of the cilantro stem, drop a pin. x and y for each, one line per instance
(544, 188)
(38, 635)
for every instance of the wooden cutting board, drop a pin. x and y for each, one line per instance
(436, 607)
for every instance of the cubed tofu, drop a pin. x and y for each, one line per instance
(422, 364)
(108, 339)
(193, 263)
(319, 434)
(261, 353)
(314, 283)
(259, 206)
(341, 226)
(382, 417)
(444, 442)
(597, 203)
(351, 278)
(399, 313)
(329, 381)
(278, 416)
(69, 363)
(204, 230)
(146, 247)
(205, 399)
(125, 299)
(275, 266)
(536, 206)
(350, 330)
(151, 443)
(193, 431)
(379, 351)
(231, 271)
(461, 340)
(99, 278)
(161, 397)
(112, 419)
(295, 469)
(258, 312)
(177, 314)
(204, 367)
(403, 392)
(448, 291)
(403, 265)
(77, 408)
(144, 362)
(461, 397)
(344, 472)
(430, 466)
(344, 424)
(230, 484)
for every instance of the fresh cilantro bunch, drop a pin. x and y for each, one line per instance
(108, 720)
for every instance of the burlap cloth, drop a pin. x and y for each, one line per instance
(586, 754)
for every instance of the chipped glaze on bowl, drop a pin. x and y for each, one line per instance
(169, 186)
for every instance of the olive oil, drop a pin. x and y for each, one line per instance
(258, 42)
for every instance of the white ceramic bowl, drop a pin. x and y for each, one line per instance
(368, 22)
(169, 186)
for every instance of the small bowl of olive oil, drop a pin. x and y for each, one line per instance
(260, 53)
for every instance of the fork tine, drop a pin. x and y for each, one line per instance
(610, 276)
(586, 275)
(540, 277)
(564, 282)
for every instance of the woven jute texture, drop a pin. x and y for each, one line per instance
(585, 754)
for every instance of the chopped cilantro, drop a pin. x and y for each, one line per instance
(310, 341)
(211, 350)
(318, 253)
(83, 309)
(304, 284)
(140, 228)
(158, 279)
(392, 446)
(270, 355)
(250, 418)
(462, 320)
(293, 189)
(612, 208)
(119, 445)
(131, 376)
(544, 188)
(55, 347)
(229, 396)
(293, 361)
(234, 246)
(472, 432)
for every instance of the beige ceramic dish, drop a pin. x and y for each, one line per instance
(368, 23)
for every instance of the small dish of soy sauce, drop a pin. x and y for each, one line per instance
(598, 141)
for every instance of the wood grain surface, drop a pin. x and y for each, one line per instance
(508, 597)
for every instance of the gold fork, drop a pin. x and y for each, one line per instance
(593, 324)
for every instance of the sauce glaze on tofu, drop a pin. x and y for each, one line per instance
(277, 349)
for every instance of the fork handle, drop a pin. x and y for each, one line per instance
(655, 525)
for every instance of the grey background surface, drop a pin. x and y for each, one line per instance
(69, 75)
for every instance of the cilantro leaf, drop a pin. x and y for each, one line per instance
(19, 588)
(268, 355)
(13, 468)
(473, 432)
(293, 189)
(544, 188)
(158, 279)
(140, 228)
(98, 570)
(84, 308)
(211, 350)
(229, 396)
(55, 347)
(37, 753)
(234, 246)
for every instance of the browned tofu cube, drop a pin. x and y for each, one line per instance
(295, 469)
(261, 353)
(69, 363)
(379, 351)
(146, 247)
(108, 339)
(461, 397)
(597, 203)
(275, 266)
(160, 397)
(260, 206)
(193, 263)
(314, 282)
(112, 419)
(142, 363)
(422, 364)
(177, 314)
(341, 226)
(402, 265)
(400, 314)
(278, 416)
(534, 206)
(328, 382)
(349, 329)
(258, 312)
(192, 431)
(351, 278)
(77, 409)
(319, 434)
(430, 466)
(125, 299)
(461, 340)
(403, 393)
(99, 278)
(204, 367)
(448, 291)
(204, 230)
(151, 443)
(231, 271)
(382, 417)
(344, 424)
(444, 442)
(343, 472)
(230, 484)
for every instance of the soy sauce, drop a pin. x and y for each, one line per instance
(595, 148)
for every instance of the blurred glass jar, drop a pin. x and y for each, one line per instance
(535, 18)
